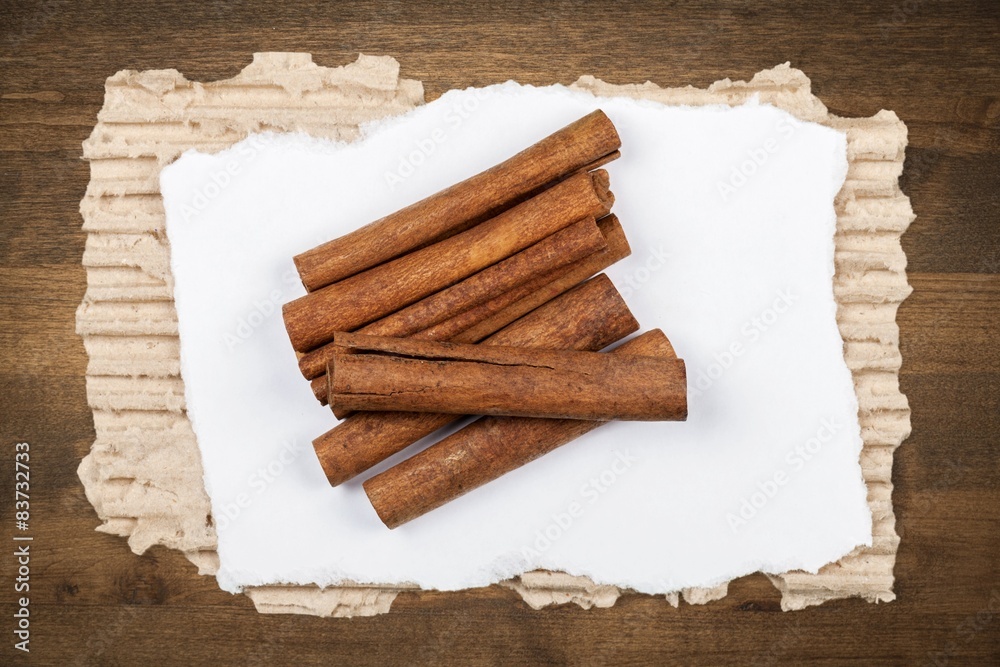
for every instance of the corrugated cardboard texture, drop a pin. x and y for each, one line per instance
(144, 475)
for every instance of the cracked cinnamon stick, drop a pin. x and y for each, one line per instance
(568, 245)
(583, 144)
(484, 320)
(483, 451)
(312, 320)
(477, 323)
(590, 316)
(375, 373)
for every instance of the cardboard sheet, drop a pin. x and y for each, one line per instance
(144, 473)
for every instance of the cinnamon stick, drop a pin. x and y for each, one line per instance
(588, 317)
(581, 144)
(484, 320)
(376, 373)
(483, 451)
(311, 320)
(497, 314)
(568, 245)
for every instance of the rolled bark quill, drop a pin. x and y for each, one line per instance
(583, 144)
(479, 322)
(579, 240)
(589, 317)
(311, 320)
(406, 375)
(483, 451)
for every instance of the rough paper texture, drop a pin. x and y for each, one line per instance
(144, 473)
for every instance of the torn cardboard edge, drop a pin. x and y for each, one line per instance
(144, 474)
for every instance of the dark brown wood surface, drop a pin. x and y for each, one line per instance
(936, 64)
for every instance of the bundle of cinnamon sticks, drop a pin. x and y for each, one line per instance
(479, 300)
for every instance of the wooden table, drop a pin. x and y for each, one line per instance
(936, 65)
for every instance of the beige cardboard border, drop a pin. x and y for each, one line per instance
(144, 475)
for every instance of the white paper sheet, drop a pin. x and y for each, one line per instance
(730, 215)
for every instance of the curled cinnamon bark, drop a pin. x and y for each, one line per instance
(477, 323)
(588, 317)
(481, 452)
(583, 144)
(552, 253)
(484, 320)
(377, 373)
(312, 320)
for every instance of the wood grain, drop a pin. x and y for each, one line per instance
(936, 64)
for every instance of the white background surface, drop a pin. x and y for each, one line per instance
(730, 216)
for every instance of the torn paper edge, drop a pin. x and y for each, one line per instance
(143, 474)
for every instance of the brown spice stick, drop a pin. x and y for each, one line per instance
(311, 320)
(588, 317)
(581, 144)
(375, 373)
(486, 319)
(532, 295)
(596, 164)
(481, 452)
(568, 245)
